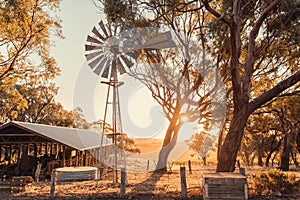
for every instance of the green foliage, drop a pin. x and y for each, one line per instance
(27, 69)
(273, 181)
(119, 11)
(202, 143)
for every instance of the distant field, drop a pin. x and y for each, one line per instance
(148, 145)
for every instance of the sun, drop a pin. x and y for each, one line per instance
(184, 119)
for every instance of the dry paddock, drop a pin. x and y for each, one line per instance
(145, 185)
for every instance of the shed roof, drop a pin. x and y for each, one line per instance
(75, 138)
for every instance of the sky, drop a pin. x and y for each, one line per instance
(80, 87)
(78, 18)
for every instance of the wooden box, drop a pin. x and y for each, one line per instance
(224, 186)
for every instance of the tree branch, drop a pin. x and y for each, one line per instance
(275, 91)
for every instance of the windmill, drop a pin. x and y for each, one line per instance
(110, 52)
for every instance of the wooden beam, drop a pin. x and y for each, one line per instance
(64, 156)
(19, 152)
(35, 153)
(10, 154)
(77, 155)
(51, 148)
(86, 158)
(0, 152)
(46, 148)
(82, 158)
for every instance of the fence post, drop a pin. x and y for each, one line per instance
(123, 182)
(190, 166)
(183, 182)
(148, 165)
(53, 183)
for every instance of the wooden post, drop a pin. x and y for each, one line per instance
(19, 152)
(190, 166)
(35, 153)
(123, 182)
(51, 149)
(148, 165)
(10, 154)
(77, 161)
(46, 148)
(183, 182)
(53, 183)
(38, 172)
(64, 156)
(82, 158)
(91, 161)
(86, 158)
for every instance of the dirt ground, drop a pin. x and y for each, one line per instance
(139, 186)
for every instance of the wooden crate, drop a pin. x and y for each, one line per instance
(224, 186)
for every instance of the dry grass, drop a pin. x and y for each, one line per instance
(139, 186)
(145, 185)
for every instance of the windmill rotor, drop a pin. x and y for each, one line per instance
(114, 48)
(104, 52)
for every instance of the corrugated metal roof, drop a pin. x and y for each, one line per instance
(77, 138)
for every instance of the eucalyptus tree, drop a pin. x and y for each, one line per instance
(262, 40)
(25, 29)
(182, 79)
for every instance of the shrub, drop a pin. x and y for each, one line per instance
(273, 181)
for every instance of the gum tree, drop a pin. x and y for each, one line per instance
(263, 40)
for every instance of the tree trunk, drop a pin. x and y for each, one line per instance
(252, 160)
(231, 145)
(268, 159)
(273, 159)
(260, 153)
(298, 141)
(168, 144)
(273, 149)
(285, 155)
(259, 160)
(204, 160)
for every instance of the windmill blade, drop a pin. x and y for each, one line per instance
(93, 55)
(128, 62)
(101, 65)
(103, 28)
(96, 32)
(164, 38)
(120, 66)
(93, 40)
(95, 62)
(92, 47)
(106, 70)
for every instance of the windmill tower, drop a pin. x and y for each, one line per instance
(110, 52)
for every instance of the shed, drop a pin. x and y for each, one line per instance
(24, 145)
